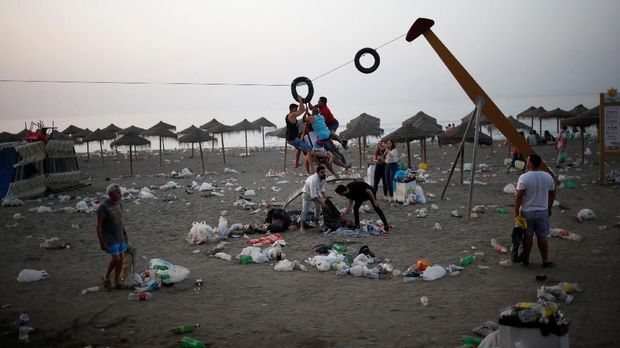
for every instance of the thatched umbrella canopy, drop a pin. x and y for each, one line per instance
(112, 128)
(187, 130)
(245, 126)
(6, 137)
(263, 123)
(585, 119)
(132, 130)
(360, 127)
(56, 135)
(130, 139)
(556, 113)
(457, 134)
(532, 113)
(79, 139)
(578, 110)
(71, 130)
(407, 133)
(99, 135)
(164, 125)
(215, 127)
(161, 133)
(423, 120)
(484, 121)
(196, 136)
(518, 124)
(23, 133)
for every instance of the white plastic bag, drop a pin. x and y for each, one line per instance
(206, 187)
(585, 214)
(145, 193)
(433, 272)
(222, 227)
(31, 275)
(198, 233)
(283, 266)
(510, 189)
(223, 256)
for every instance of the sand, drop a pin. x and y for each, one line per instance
(252, 305)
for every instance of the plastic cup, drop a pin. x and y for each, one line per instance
(424, 300)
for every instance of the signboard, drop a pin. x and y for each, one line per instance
(612, 128)
(609, 128)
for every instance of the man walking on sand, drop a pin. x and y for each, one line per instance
(112, 234)
(313, 193)
(534, 199)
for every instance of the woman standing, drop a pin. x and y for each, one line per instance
(391, 166)
(380, 168)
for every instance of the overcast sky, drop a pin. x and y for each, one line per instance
(521, 52)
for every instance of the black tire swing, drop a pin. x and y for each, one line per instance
(362, 52)
(302, 80)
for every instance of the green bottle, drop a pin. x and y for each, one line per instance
(189, 342)
(502, 210)
(245, 259)
(185, 328)
(471, 341)
(467, 260)
(339, 248)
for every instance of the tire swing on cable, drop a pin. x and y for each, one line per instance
(362, 52)
(302, 80)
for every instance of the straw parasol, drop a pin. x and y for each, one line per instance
(360, 127)
(556, 113)
(161, 133)
(245, 126)
(578, 110)
(132, 130)
(6, 137)
(518, 124)
(215, 127)
(457, 134)
(79, 138)
(585, 119)
(211, 124)
(164, 125)
(263, 123)
(71, 130)
(407, 132)
(130, 140)
(196, 136)
(99, 135)
(187, 130)
(112, 128)
(56, 135)
(532, 113)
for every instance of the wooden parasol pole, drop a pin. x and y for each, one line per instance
(202, 160)
(223, 152)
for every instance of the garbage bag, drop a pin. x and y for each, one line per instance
(31, 275)
(510, 189)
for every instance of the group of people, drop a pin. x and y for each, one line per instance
(386, 164)
(357, 192)
(316, 140)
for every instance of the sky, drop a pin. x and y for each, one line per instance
(527, 52)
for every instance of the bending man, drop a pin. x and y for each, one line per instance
(358, 192)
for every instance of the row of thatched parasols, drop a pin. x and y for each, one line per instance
(133, 136)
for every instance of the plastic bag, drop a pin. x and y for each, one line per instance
(145, 193)
(585, 214)
(198, 234)
(433, 272)
(160, 264)
(31, 275)
(222, 227)
(510, 189)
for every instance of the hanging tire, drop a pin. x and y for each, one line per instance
(359, 55)
(302, 80)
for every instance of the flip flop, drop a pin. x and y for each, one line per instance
(107, 283)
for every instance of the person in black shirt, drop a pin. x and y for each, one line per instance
(358, 192)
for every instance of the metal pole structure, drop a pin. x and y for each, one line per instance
(462, 165)
(459, 154)
(479, 105)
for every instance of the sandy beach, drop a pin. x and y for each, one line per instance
(253, 305)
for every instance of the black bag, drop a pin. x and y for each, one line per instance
(517, 243)
(279, 214)
(331, 216)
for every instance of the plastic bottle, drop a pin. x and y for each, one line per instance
(91, 289)
(410, 279)
(245, 259)
(470, 341)
(184, 328)
(24, 327)
(139, 296)
(558, 232)
(501, 210)
(467, 260)
(188, 342)
(498, 247)
(339, 248)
